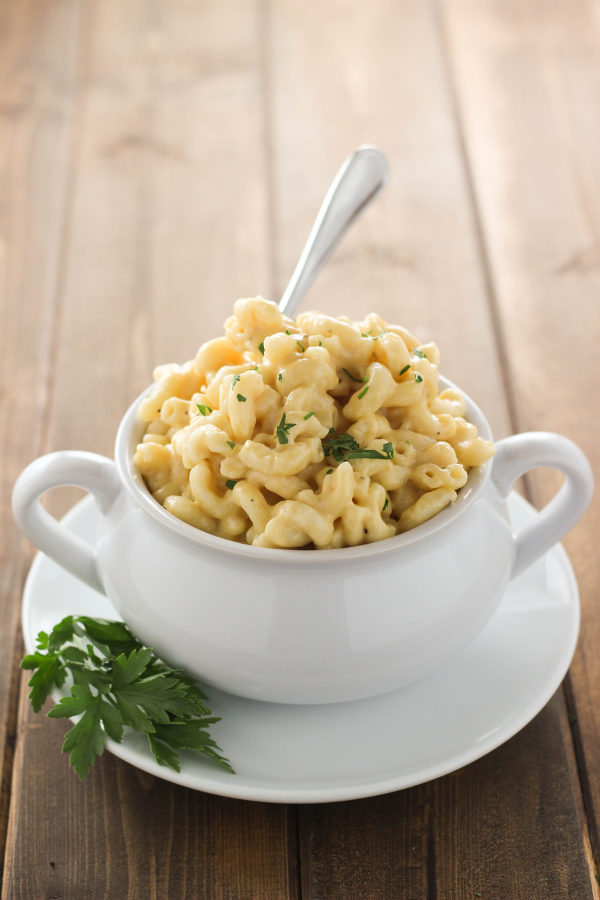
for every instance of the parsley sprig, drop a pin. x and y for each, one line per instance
(118, 683)
(343, 446)
(283, 429)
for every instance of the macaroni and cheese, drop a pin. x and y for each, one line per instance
(316, 432)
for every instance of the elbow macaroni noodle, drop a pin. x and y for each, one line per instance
(316, 432)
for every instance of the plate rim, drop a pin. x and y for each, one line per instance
(214, 781)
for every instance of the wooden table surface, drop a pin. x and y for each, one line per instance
(159, 160)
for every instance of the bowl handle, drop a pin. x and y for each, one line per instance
(94, 473)
(517, 455)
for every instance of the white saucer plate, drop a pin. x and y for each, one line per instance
(313, 754)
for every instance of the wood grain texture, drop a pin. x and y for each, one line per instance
(40, 73)
(188, 147)
(124, 834)
(167, 227)
(528, 81)
(416, 257)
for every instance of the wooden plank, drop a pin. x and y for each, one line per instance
(123, 833)
(168, 227)
(528, 80)
(416, 258)
(40, 69)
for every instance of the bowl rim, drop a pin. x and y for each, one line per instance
(129, 434)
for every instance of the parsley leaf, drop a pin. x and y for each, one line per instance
(367, 454)
(204, 410)
(261, 347)
(118, 683)
(241, 398)
(42, 640)
(231, 444)
(418, 378)
(234, 381)
(405, 369)
(343, 446)
(339, 445)
(363, 392)
(308, 415)
(420, 354)
(114, 635)
(62, 632)
(86, 739)
(282, 430)
(164, 755)
(49, 673)
(230, 483)
(302, 347)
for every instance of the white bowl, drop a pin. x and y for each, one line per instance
(304, 626)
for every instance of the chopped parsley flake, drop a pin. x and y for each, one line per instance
(261, 347)
(287, 331)
(343, 446)
(329, 471)
(231, 444)
(302, 347)
(241, 398)
(418, 378)
(405, 369)
(386, 504)
(374, 337)
(308, 415)
(420, 354)
(282, 430)
(350, 375)
(235, 380)
(230, 483)
(280, 377)
(363, 392)
(204, 410)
